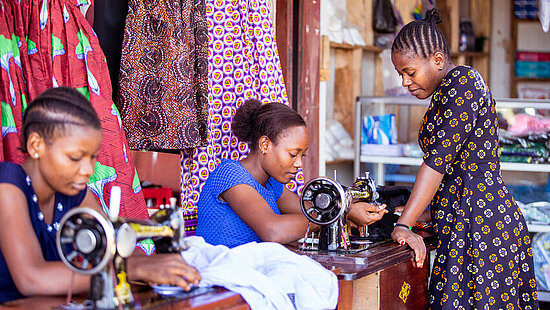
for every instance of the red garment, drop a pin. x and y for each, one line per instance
(61, 49)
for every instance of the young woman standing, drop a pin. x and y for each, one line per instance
(484, 257)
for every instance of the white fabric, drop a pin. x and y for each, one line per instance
(265, 274)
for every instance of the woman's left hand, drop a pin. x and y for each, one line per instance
(404, 236)
(363, 213)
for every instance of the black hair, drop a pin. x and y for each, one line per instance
(254, 120)
(54, 110)
(422, 37)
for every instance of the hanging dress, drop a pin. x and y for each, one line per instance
(243, 63)
(49, 43)
(163, 79)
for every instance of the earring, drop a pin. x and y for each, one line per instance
(440, 68)
(35, 155)
(263, 152)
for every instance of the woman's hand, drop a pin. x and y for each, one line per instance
(163, 269)
(403, 235)
(363, 213)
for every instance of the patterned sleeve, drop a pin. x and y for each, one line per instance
(458, 98)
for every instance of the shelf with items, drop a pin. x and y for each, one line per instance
(478, 12)
(380, 104)
(354, 70)
(367, 48)
(536, 77)
(351, 65)
(415, 161)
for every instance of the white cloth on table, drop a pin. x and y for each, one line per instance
(267, 275)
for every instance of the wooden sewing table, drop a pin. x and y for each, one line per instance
(381, 277)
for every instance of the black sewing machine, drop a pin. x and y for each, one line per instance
(91, 244)
(325, 202)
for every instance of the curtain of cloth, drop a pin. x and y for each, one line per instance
(163, 75)
(49, 43)
(243, 63)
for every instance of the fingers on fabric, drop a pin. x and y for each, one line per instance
(191, 274)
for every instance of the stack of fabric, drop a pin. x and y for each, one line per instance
(527, 141)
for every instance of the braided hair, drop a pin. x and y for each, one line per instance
(54, 111)
(422, 37)
(253, 120)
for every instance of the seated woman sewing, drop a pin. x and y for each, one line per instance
(244, 201)
(62, 136)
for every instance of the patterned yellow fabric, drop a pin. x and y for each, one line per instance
(484, 258)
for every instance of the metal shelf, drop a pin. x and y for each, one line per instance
(538, 228)
(380, 104)
(415, 161)
(544, 296)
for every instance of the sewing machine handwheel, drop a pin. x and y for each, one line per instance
(85, 240)
(328, 201)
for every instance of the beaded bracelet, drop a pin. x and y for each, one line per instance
(403, 225)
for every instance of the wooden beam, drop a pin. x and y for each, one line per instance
(450, 13)
(347, 77)
(284, 36)
(308, 79)
(359, 14)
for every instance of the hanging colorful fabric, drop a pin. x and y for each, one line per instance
(47, 44)
(163, 75)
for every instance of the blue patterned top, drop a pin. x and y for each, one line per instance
(217, 222)
(45, 233)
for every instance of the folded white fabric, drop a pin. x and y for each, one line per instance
(267, 275)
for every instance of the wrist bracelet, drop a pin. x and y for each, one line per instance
(403, 225)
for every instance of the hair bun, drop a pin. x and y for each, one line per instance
(433, 16)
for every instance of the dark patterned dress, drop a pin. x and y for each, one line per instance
(45, 233)
(484, 258)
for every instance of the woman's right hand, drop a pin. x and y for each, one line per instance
(403, 235)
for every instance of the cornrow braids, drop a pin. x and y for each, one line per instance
(422, 37)
(56, 109)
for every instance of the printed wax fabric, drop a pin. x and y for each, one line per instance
(484, 258)
(162, 84)
(49, 43)
(45, 232)
(243, 63)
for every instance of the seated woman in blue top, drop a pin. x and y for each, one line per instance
(245, 201)
(62, 136)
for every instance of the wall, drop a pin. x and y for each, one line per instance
(158, 168)
(500, 42)
(530, 37)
